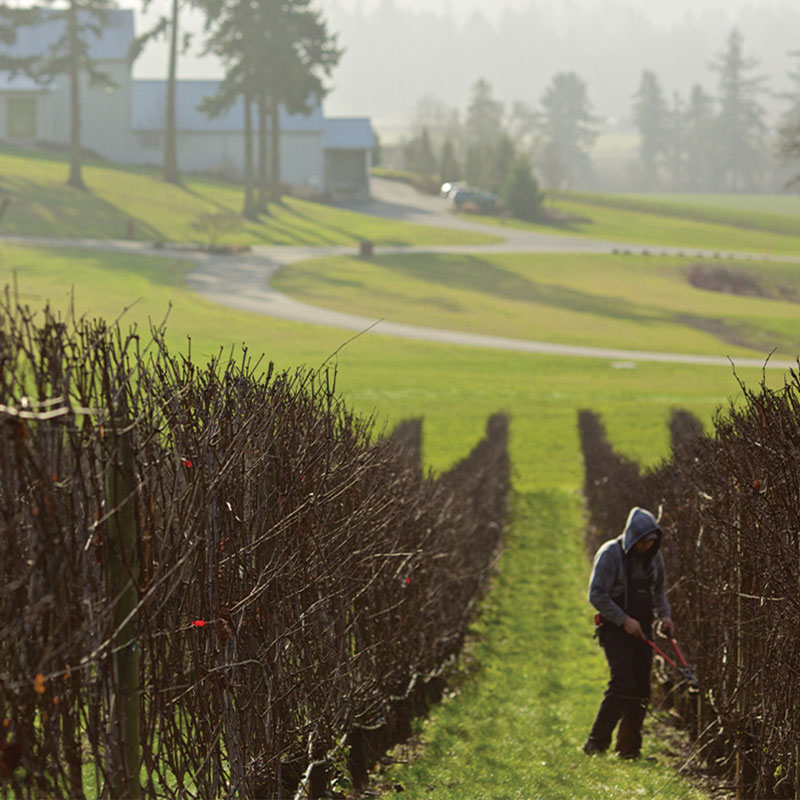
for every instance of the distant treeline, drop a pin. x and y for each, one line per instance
(520, 46)
(714, 140)
(481, 146)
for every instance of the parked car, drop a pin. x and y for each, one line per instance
(448, 188)
(467, 199)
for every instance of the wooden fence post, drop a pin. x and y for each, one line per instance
(739, 739)
(123, 579)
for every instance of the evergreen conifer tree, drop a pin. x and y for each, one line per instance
(275, 53)
(449, 169)
(500, 161)
(699, 125)
(740, 126)
(484, 123)
(424, 158)
(568, 129)
(520, 193)
(11, 20)
(789, 129)
(69, 55)
(651, 116)
(169, 26)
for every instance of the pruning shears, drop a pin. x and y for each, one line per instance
(683, 667)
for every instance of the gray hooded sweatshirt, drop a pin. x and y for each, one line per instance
(608, 586)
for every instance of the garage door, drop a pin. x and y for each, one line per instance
(21, 117)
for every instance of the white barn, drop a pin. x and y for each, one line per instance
(125, 123)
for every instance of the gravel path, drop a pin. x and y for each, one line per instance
(243, 281)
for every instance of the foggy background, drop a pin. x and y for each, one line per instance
(399, 51)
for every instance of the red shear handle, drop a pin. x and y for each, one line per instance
(684, 662)
(662, 654)
(684, 669)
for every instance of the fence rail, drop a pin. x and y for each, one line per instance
(216, 580)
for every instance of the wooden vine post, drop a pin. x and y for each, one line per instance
(123, 581)
(740, 739)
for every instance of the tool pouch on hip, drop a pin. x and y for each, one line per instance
(598, 628)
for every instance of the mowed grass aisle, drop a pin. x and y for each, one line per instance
(515, 730)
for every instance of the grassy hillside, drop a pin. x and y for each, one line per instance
(43, 205)
(644, 303)
(456, 388)
(769, 213)
(659, 221)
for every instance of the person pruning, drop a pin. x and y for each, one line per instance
(627, 589)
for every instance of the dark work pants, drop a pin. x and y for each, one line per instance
(625, 700)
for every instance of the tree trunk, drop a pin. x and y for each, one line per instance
(249, 210)
(171, 172)
(263, 171)
(75, 177)
(275, 141)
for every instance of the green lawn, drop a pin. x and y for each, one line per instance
(776, 213)
(660, 223)
(398, 378)
(638, 302)
(43, 205)
(515, 730)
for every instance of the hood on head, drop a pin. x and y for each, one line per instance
(640, 522)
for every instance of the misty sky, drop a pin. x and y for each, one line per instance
(661, 11)
(399, 50)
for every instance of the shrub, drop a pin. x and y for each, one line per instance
(520, 192)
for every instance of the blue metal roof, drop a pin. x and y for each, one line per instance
(149, 101)
(349, 133)
(112, 44)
